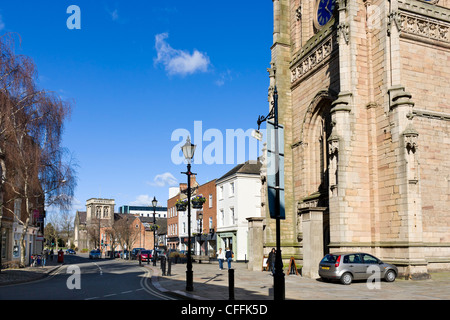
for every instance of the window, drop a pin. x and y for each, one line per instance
(231, 189)
(210, 222)
(329, 258)
(233, 218)
(17, 207)
(220, 192)
(367, 258)
(352, 258)
(222, 217)
(210, 201)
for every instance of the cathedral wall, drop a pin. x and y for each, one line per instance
(434, 154)
(426, 73)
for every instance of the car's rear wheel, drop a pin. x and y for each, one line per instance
(390, 276)
(346, 278)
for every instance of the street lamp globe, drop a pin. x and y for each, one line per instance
(188, 149)
(154, 202)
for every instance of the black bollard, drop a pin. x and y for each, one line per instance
(231, 284)
(163, 265)
(169, 267)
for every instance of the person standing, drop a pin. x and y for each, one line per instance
(221, 257)
(229, 257)
(271, 261)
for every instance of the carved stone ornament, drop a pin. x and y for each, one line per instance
(424, 27)
(312, 60)
(394, 19)
(410, 137)
(298, 13)
(333, 145)
(343, 32)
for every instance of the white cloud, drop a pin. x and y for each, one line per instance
(179, 61)
(164, 179)
(224, 77)
(114, 15)
(142, 200)
(2, 24)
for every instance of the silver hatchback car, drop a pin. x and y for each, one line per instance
(350, 266)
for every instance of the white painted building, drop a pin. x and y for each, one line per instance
(144, 211)
(238, 198)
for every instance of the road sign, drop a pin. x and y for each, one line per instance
(275, 169)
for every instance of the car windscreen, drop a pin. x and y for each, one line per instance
(329, 258)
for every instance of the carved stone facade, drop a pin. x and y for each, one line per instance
(364, 100)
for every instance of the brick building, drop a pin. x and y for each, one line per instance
(363, 96)
(100, 227)
(207, 227)
(177, 220)
(203, 231)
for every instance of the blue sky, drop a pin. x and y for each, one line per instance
(139, 72)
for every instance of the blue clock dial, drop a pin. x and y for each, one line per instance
(325, 11)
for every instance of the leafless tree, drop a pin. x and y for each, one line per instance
(126, 231)
(36, 168)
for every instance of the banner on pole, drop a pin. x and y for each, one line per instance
(274, 167)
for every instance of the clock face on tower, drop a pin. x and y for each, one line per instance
(324, 12)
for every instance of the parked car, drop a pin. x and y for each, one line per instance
(95, 254)
(70, 251)
(347, 267)
(145, 255)
(135, 252)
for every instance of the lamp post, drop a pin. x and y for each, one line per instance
(188, 151)
(154, 203)
(200, 217)
(278, 279)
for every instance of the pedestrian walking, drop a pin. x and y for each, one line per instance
(229, 256)
(44, 257)
(51, 254)
(271, 261)
(221, 258)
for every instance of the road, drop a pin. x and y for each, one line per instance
(83, 279)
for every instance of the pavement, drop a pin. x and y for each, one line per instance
(211, 283)
(27, 274)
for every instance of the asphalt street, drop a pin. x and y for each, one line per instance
(83, 279)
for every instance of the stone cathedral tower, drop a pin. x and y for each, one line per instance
(364, 96)
(99, 214)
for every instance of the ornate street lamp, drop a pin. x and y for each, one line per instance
(154, 203)
(200, 217)
(188, 152)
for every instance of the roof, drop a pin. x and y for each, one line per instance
(81, 217)
(251, 167)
